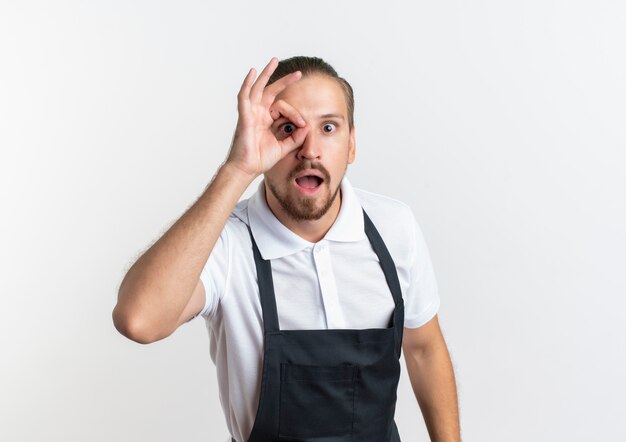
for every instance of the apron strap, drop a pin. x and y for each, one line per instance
(268, 296)
(386, 262)
(266, 288)
(391, 275)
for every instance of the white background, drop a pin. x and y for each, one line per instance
(502, 124)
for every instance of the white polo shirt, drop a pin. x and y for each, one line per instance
(334, 283)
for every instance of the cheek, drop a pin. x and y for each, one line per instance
(338, 167)
(279, 171)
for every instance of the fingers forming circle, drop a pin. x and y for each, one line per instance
(282, 108)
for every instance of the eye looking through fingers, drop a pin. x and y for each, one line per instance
(289, 125)
(284, 130)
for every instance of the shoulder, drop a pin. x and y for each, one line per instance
(240, 212)
(237, 224)
(385, 211)
(395, 222)
(234, 234)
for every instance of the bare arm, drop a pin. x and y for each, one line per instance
(159, 286)
(432, 378)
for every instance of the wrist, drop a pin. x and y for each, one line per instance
(236, 173)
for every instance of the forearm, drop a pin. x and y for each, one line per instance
(160, 283)
(158, 287)
(432, 379)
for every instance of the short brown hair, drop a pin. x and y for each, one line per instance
(315, 65)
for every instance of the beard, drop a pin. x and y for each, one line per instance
(304, 208)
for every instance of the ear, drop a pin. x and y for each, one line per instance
(352, 146)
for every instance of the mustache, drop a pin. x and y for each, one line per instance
(304, 166)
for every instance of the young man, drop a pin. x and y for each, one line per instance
(310, 288)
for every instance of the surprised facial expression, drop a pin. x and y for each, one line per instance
(305, 183)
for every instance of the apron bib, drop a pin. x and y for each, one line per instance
(329, 385)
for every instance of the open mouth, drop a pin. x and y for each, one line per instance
(309, 182)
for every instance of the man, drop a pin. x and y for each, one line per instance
(311, 288)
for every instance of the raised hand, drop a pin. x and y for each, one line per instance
(255, 148)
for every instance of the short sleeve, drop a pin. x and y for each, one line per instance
(422, 298)
(215, 274)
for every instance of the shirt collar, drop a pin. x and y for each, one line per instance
(274, 240)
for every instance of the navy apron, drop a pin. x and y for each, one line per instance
(329, 385)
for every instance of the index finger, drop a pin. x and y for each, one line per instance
(270, 92)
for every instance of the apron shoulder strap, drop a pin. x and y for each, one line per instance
(266, 288)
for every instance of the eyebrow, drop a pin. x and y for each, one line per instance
(337, 116)
(340, 117)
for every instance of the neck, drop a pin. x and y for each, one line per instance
(313, 230)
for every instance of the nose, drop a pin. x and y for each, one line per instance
(310, 149)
